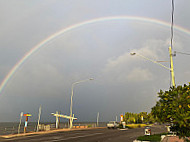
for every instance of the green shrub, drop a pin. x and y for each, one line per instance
(89, 126)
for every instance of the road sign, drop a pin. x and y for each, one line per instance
(27, 114)
(121, 117)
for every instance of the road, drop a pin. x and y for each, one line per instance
(89, 135)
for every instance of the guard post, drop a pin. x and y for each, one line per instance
(147, 131)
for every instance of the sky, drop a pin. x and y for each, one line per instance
(98, 49)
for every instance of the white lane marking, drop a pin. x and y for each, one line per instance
(77, 137)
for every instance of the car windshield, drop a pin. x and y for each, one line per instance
(111, 122)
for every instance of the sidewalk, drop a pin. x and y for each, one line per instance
(172, 139)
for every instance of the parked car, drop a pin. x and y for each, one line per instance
(112, 124)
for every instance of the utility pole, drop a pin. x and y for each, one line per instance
(172, 67)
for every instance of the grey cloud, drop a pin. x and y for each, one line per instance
(100, 50)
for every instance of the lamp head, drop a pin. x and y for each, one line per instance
(91, 79)
(133, 53)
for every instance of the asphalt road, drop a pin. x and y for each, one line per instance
(90, 135)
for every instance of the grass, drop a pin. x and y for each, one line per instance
(89, 126)
(152, 138)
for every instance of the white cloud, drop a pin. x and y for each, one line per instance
(117, 62)
(154, 49)
(126, 68)
(139, 74)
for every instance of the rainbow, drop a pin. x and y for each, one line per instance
(78, 25)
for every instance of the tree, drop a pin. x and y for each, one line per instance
(174, 107)
(136, 117)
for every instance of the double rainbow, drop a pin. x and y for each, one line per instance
(78, 25)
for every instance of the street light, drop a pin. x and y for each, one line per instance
(71, 105)
(171, 62)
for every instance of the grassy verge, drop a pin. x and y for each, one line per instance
(151, 138)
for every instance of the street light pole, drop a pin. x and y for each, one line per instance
(71, 105)
(171, 62)
(150, 60)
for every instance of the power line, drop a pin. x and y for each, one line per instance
(172, 23)
(181, 53)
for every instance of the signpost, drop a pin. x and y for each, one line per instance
(121, 117)
(26, 122)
